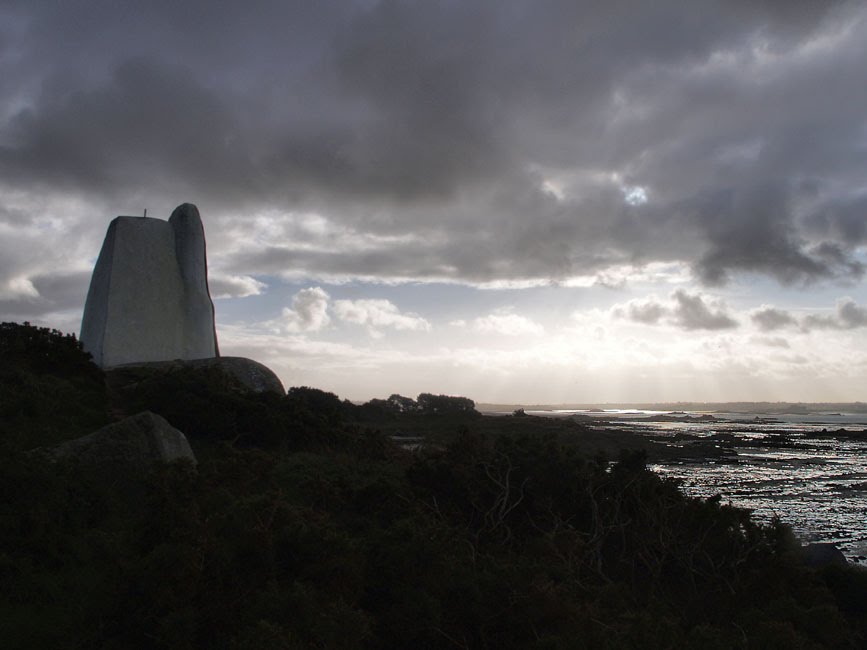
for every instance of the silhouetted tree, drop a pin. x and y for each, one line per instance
(402, 404)
(443, 404)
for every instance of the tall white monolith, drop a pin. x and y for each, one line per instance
(199, 338)
(148, 297)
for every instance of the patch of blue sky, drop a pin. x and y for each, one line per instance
(437, 302)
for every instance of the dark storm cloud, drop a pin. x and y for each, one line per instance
(693, 313)
(683, 310)
(769, 319)
(848, 315)
(842, 225)
(751, 230)
(50, 293)
(649, 313)
(489, 140)
(150, 119)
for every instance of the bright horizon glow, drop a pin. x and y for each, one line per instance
(593, 355)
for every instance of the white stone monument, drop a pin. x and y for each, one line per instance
(148, 298)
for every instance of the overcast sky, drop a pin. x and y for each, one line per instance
(517, 201)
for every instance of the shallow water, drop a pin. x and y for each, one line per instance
(779, 468)
(817, 485)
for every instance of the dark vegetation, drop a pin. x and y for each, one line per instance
(306, 526)
(49, 390)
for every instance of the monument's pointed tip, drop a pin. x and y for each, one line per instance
(185, 210)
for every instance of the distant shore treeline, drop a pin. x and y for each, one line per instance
(759, 408)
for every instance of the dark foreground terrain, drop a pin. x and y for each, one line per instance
(310, 522)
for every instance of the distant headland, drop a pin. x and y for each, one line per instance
(764, 408)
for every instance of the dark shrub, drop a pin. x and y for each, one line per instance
(50, 390)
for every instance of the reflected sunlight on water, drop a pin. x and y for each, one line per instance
(785, 466)
(816, 485)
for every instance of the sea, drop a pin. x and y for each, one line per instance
(810, 471)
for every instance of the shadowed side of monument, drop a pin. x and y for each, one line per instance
(148, 298)
(199, 336)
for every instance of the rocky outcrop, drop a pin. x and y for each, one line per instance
(138, 442)
(249, 374)
(148, 298)
(820, 554)
(258, 377)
